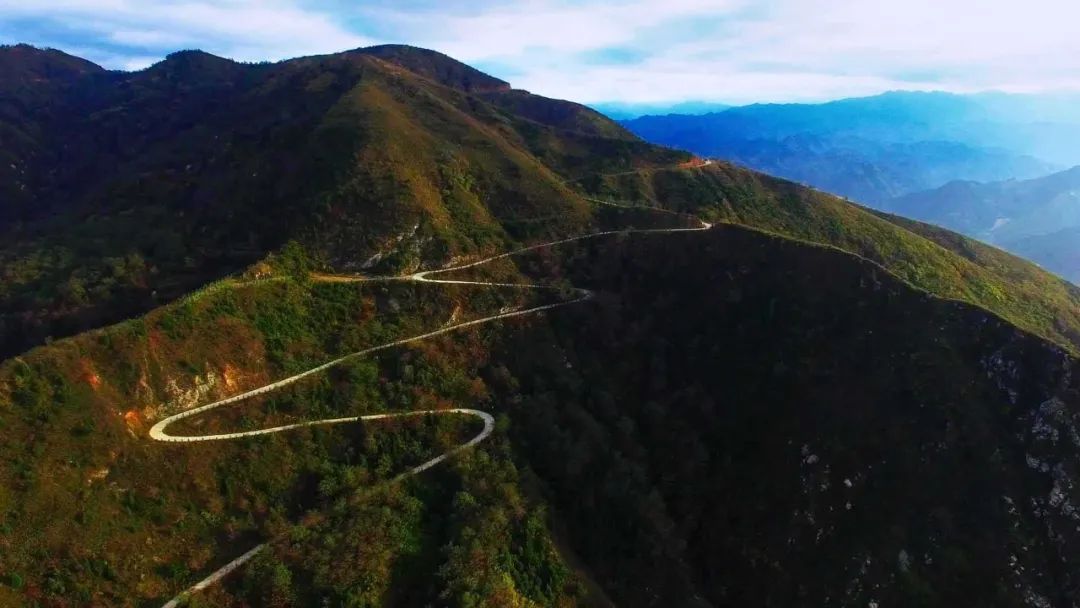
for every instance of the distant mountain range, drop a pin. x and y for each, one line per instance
(1058, 251)
(877, 148)
(1038, 219)
(627, 111)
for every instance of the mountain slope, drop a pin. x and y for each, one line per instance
(446, 71)
(808, 403)
(30, 79)
(940, 262)
(369, 164)
(149, 184)
(786, 424)
(699, 432)
(437, 67)
(1033, 218)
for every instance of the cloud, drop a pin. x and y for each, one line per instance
(664, 82)
(126, 31)
(744, 51)
(537, 26)
(613, 50)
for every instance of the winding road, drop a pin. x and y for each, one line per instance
(159, 431)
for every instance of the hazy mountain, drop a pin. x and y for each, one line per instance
(876, 148)
(626, 111)
(1046, 126)
(1058, 251)
(1034, 218)
(809, 403)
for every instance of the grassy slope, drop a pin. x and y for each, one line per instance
(1061, 296)
(938, 261)
(90, 512)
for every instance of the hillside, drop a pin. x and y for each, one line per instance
(138, 187)
(698, 434)
(788, 425)
(1032, 218)
(941, 262)
(736, 391)
(868, 149)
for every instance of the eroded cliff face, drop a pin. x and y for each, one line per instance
(159, 376)
(185, 391)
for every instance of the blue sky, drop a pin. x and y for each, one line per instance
(634, 51)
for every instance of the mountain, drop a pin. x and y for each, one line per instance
(1056, 251)
(770, 446)
(336, 388)
(1045, 125)
(1033, 218)
(627, 111)
(129, 189)
(869, 149)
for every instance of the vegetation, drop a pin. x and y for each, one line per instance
(940, 262)
(743, 419)
(148, 185)
(94, 513)
(1035, 218)
(762, 414)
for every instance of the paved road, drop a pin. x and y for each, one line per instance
(159, 431)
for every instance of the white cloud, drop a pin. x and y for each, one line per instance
(537, 26)
(724, 50)
(653, 83)
(927, 35)
(777, 50)
(249, 30)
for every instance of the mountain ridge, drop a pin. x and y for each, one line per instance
(152, 127)
(799, 404)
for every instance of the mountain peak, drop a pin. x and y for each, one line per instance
(195, 55)
(436, 66)
(197, 59)
(23, 63)
(193, 63)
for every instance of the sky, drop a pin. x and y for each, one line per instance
(593, 51)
